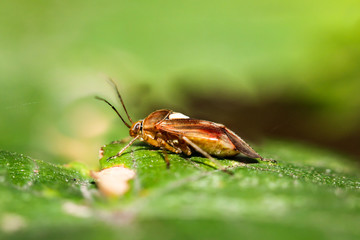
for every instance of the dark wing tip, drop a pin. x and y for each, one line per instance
(241, 145)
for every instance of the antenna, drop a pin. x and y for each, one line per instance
(102, 99)
(121, 100)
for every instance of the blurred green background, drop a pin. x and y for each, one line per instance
(266, 69)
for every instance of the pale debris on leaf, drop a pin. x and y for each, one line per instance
(113, 181)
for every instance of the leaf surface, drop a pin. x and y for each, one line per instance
(309, 193)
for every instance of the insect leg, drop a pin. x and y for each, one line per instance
(123, 149)
(205, 154)
(166, 158)
(164, 145)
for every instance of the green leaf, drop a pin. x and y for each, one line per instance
(309, 193)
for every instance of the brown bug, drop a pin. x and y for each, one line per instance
(178, 133)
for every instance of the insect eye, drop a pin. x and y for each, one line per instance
(137, 126)
(136, 129)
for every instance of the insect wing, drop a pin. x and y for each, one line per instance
(207, 135)
(214, 138)
(191, 128)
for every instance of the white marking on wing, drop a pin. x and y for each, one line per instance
(176, 115)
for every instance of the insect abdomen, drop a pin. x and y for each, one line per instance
(218, 147)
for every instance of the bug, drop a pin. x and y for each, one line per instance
(181, 134)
